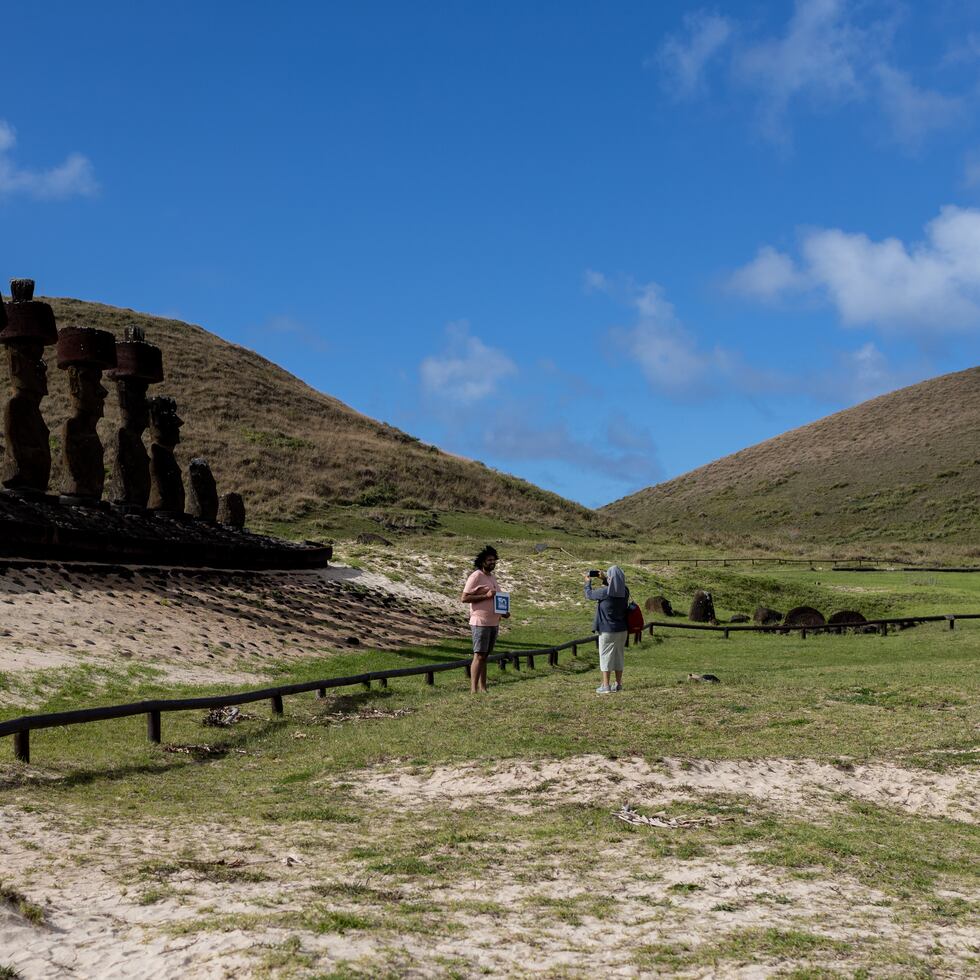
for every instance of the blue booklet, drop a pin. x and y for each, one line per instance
(501, 603)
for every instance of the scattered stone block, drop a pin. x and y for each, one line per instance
(739, 618)
(202, 501)
(702, 608)
(660, 605)
(804, 616)
(764, 616)
(231, 510)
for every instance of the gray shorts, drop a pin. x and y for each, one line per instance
(484, 638)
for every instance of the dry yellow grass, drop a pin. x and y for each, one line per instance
(290, 449)
(903, 467)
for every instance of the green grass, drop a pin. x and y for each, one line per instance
(910, 698)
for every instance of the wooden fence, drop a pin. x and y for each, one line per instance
(856, 564)
(21, 728)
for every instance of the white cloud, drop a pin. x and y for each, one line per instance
(74, 177)
(933, 284)
(769, 275)
(684, 60)
(829, 53)
(817, 57)
(468, 370)
(914, 112)
(670, 356)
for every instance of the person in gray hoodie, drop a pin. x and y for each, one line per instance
(611, 599)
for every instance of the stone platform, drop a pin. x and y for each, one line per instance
(42, 527)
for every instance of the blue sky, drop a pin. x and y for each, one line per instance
(595, 245)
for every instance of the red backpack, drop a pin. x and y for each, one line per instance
(634, 620)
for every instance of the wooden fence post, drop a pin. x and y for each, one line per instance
(530, 661)
(466, 670)
(803, 634)
(321, 693)
(153, 726)
(503, 665)
(574, 649)
(430, 677)
(382, 682)
(367, 685)
(883, 629)
(724, 635)
(277, 704)
(952, 621)
(22, 746)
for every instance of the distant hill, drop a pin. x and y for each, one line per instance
(292, 450)
(901, 467)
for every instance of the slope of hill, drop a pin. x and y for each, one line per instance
(291, 450)
(904, 467)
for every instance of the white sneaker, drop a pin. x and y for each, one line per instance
(603, 689)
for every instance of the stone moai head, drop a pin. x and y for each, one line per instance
(85, 353)
(28, 327)
(165, 423)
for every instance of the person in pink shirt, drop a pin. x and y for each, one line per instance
(478, 592)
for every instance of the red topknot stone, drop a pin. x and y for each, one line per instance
(86, 347)
(137, 359)
(28, 318)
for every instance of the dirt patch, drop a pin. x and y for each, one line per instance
(798, 784)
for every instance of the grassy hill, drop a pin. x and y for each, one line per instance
(295, 453)
(903, 467)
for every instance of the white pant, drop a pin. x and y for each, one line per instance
(612, 647)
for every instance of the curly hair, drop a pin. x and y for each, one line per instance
(489, 551)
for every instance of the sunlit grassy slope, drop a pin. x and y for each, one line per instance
(295, 452)
(900, 468)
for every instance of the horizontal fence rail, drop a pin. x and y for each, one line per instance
(20, 728)
(835, 564)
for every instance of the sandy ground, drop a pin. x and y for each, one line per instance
(198, 626)
(103, 918)
(800, 785)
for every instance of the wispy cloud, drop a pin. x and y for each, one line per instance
(683, 58)
(914, 112)
(468, 370)
(931, 285)
(75, 177)
(828, 54)
(623, 453)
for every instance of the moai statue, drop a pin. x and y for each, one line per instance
(203, 497)
(138, 365)
(232, 510)
(166, 484)
(30, 327)
(84, 353)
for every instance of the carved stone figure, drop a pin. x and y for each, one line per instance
(138, 365)
(702, 608)
(84, 353)
(30, 327)
(232, 510)
(166, 484)
(203, 497)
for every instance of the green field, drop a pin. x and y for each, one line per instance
(847, 879)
